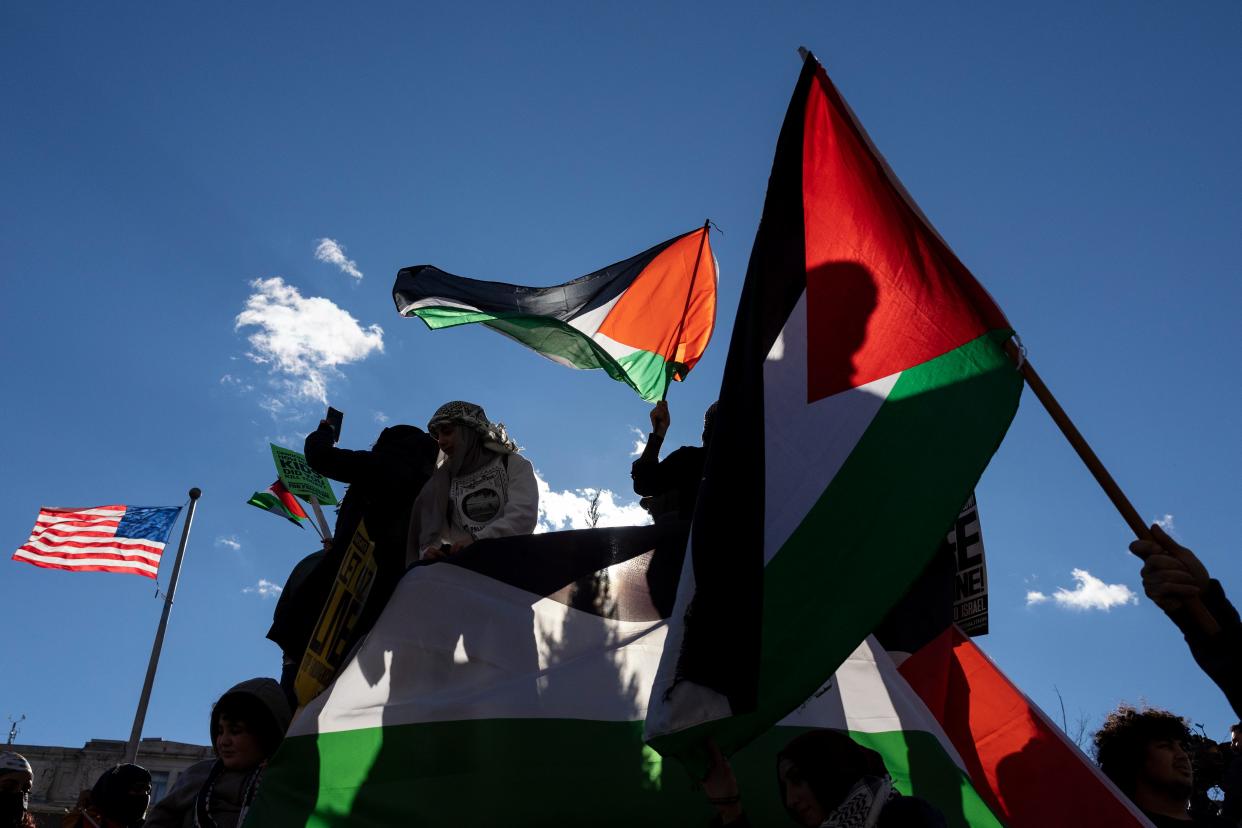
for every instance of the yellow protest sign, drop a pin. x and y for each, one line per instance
(327, 646)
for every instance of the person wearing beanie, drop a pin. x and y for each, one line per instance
(247, 725)
(481, 489)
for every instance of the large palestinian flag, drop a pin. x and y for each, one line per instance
(645, 321)
(865, 391)
(508, 685)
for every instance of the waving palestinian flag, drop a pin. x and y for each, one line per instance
(644, 321)
(865, 391)
(280, 502)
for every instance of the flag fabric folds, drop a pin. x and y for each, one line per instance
(280, 501)
(644, 321)
(522, 668)
(865, 390)
(1013, 753)
(127, 539)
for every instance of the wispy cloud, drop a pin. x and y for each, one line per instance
(230, 381)
(303, 340)
(1089, 593)
(264, 589)
(229, 541)
(330, 251)
(381, 417)
(640, 441)
(569, 509)
(1165, 523)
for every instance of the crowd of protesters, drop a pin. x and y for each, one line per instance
(426, 495)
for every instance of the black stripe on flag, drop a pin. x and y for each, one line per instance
(627, 574)
(721, 646)
(563, 302)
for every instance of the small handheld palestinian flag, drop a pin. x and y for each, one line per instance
(280, 501)
(645, 321)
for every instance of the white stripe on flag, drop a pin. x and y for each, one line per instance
(72, 563)
(805, 444)
(467, 646)
(149, 551)
(57, 513)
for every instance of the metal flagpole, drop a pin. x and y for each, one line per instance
(135, 735)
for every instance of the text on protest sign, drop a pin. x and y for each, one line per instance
(300, 478)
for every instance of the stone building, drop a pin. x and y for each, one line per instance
(62, 773)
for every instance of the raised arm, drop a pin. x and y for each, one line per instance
(648, 477)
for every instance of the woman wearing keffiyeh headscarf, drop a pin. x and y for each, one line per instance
(827, 780)
(482, 487)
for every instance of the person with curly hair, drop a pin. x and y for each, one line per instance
(1144, 753)
(482, 488)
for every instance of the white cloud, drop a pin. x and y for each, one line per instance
(230, 381)
(330, 251)
(230, 541)
(1089, 593)
(568, 509)
(264, 589)
(381, 417)
(305, 340)
(640, 441)
(1166, 523)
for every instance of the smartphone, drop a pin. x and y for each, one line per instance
(335, 418)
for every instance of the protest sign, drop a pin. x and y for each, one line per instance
(300, 478)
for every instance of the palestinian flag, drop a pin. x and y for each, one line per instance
(507, 686)
(1022, 765)
(865, 391)
(280, 501)
(645, 321)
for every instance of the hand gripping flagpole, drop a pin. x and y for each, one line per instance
(1203, 619)
(135, 735)
(681, 326)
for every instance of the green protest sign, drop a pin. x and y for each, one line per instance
(300, 478)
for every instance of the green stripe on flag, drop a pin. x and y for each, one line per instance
(875, 526)
(643, 371)
(551, 772)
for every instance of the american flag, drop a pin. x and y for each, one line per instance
(100, 539)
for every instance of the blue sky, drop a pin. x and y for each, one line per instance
(163, 164)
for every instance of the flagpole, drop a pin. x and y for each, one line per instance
(681, 326)
(325, 534)
(1094, 465)
(135, 735)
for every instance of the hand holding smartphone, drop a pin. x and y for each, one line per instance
(335, 418)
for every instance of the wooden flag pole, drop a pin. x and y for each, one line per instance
(135, 735)
(1089, 458)
(681, 326)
